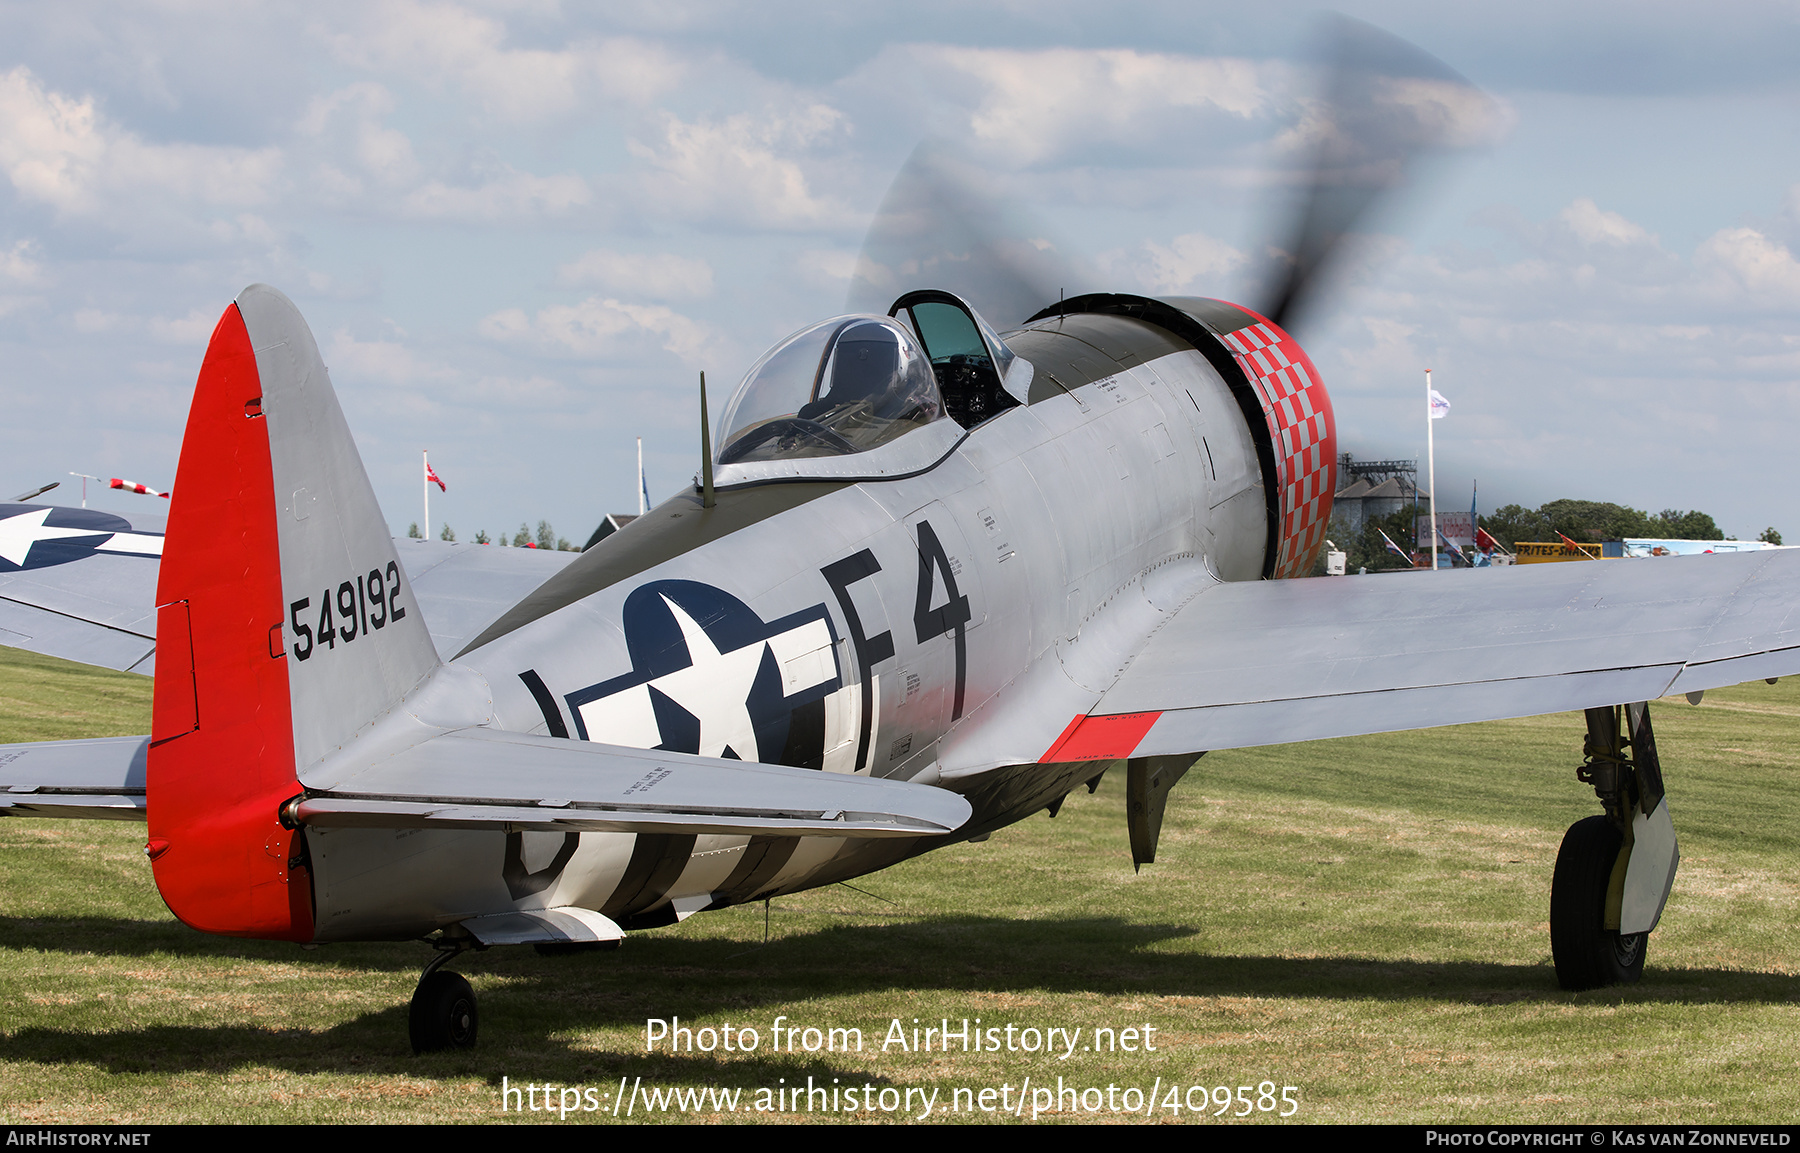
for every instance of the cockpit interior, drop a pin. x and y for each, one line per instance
(968, 358)
(855, 383)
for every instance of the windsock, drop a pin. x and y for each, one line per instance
(133, 486)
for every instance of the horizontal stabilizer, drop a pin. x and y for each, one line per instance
(484, 779)
(97, 778)
(564, 925)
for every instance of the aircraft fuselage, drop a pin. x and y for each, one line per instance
(846, 627)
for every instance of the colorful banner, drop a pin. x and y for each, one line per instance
(1458, 526)
(1538, 552)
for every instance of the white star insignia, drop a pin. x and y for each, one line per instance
(715, 688)
(18, 533)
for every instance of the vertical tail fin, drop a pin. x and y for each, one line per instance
(285, 623)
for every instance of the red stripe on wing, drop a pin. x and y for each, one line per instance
(1089, 738)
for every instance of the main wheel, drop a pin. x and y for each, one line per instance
(442, 1015)
(1588, 955)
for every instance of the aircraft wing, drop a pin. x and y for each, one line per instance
(95, 778)
(1238, 664)
(485, 779)
(463, 588)
(481, 778)
(80, 584)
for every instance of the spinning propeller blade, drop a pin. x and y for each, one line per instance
(941, 226)
(1384, 104)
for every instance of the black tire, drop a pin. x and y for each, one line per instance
(443, 1014)
(1588, 955)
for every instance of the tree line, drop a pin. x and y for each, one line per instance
(1583, 521)
(1587, 521)
(545, 537)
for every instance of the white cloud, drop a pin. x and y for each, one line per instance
(92, 320)
(1449, 114)
(1028, 106)
(603, 328)
(246, 228)
(349, 123)
(447, 46)
(391, 363)
(741, 169)
(1753, 263)
(505, 196)
(826, 267)
(1389, 347)
(17, 263)
(190, 331)
(1191, 261)
(359, 162)
(1594, 225)
(61, 152)
(661, 275)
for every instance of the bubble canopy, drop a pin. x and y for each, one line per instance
(837, 388)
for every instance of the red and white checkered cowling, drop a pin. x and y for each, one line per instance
(1298, 410)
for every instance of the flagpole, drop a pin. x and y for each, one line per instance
(643, 501)
(1431, 469)
(425, 486)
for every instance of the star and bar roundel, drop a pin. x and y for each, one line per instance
(39, 536)
(709, 676)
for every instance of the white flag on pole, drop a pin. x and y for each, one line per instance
(1440, 408)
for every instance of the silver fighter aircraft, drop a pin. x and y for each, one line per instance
(932, 578)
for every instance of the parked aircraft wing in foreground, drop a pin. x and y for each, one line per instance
(80, 584)
(1258, 663)
(463, 587)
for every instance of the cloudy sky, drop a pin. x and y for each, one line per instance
(520, 230)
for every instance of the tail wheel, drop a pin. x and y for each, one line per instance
(1588, 955)
(443, 1014)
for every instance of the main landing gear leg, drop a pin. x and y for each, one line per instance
(1613, 872)
(1147, 784)
(442, 1014)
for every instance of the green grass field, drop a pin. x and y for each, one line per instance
(1363, 919)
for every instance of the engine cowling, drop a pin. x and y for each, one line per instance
(1283, 400)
